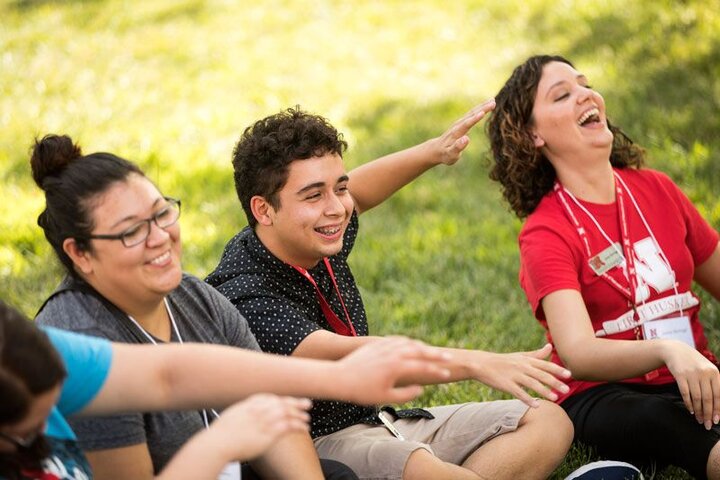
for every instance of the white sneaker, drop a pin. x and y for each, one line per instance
(606, 470)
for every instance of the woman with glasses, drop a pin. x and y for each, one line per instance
(119, 240)
(45, 376)
(48, 374)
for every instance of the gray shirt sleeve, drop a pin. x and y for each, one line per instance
(84, 314)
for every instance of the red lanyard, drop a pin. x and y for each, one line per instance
(338, 325)
(626, 246)
(625, 237)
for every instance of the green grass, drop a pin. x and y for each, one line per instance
(172, 84)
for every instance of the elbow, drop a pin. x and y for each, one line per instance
(580, 367)
(583, 373)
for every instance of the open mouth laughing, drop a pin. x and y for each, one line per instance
(590, 117)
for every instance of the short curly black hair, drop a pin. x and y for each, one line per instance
(264, 152)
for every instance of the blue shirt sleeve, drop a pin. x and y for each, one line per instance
(87, 361)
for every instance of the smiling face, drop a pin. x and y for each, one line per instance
(568, 117)
(313, 212)
(139, 274)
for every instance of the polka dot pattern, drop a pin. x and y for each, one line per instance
(282, 308)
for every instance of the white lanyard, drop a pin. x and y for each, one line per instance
(232, 470)
(628, 255)
(180, 340)
(172, 322)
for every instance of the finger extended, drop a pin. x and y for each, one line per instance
(707, 402)
(540, 353)
(540, 388)
(696, 399)
(524, 397)
(715, 384)
(420, 351)
(685, 394)
(552, 368)
(404, 394)
(484, 107)
(297, 402)
(429, 370)
(548, 379)
(462, 126)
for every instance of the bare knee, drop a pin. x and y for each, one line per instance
(713, 463)
(550, 421)
(423, 465)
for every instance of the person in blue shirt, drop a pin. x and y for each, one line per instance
(47, 375)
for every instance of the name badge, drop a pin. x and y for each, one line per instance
(675, 328)
(231, 472)
(607, 259)
(388, 424)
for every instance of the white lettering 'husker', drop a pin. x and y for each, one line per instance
(647, 312)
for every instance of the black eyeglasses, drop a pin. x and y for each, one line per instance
(139, 232)
(20, 442)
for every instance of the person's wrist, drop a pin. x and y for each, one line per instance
(436, 152)
(665, 349)
(338, 379)
(472, 366)
(213, 441)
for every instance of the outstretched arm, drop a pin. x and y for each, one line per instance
(599, 359)
(178, 377)
(510, 372)
(372, 183)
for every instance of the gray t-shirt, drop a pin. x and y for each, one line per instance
(201, 314)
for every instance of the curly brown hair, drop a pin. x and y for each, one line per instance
(523, 171)
(262, 156)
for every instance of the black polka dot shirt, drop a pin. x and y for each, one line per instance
(282, 308)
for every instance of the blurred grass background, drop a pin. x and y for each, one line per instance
(172, 84)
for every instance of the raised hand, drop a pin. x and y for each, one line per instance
(451, 144)
(517, 372)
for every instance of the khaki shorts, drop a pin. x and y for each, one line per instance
(455, 433)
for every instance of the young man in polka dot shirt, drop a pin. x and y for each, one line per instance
(287, 273)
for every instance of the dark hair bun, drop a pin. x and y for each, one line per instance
(51, 155)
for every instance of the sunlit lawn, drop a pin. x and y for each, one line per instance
(171, 85)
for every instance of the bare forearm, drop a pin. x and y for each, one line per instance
(589, 357)
(324, 345)
(291, 457)
(192, 375)
(373, 182)
(269, 373)
(708, 274)
(601, 359)
(203, 457)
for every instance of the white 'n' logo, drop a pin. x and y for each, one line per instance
(651, 270)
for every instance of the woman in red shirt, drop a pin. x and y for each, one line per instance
(609, 251)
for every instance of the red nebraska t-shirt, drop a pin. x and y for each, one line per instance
(553, 257)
